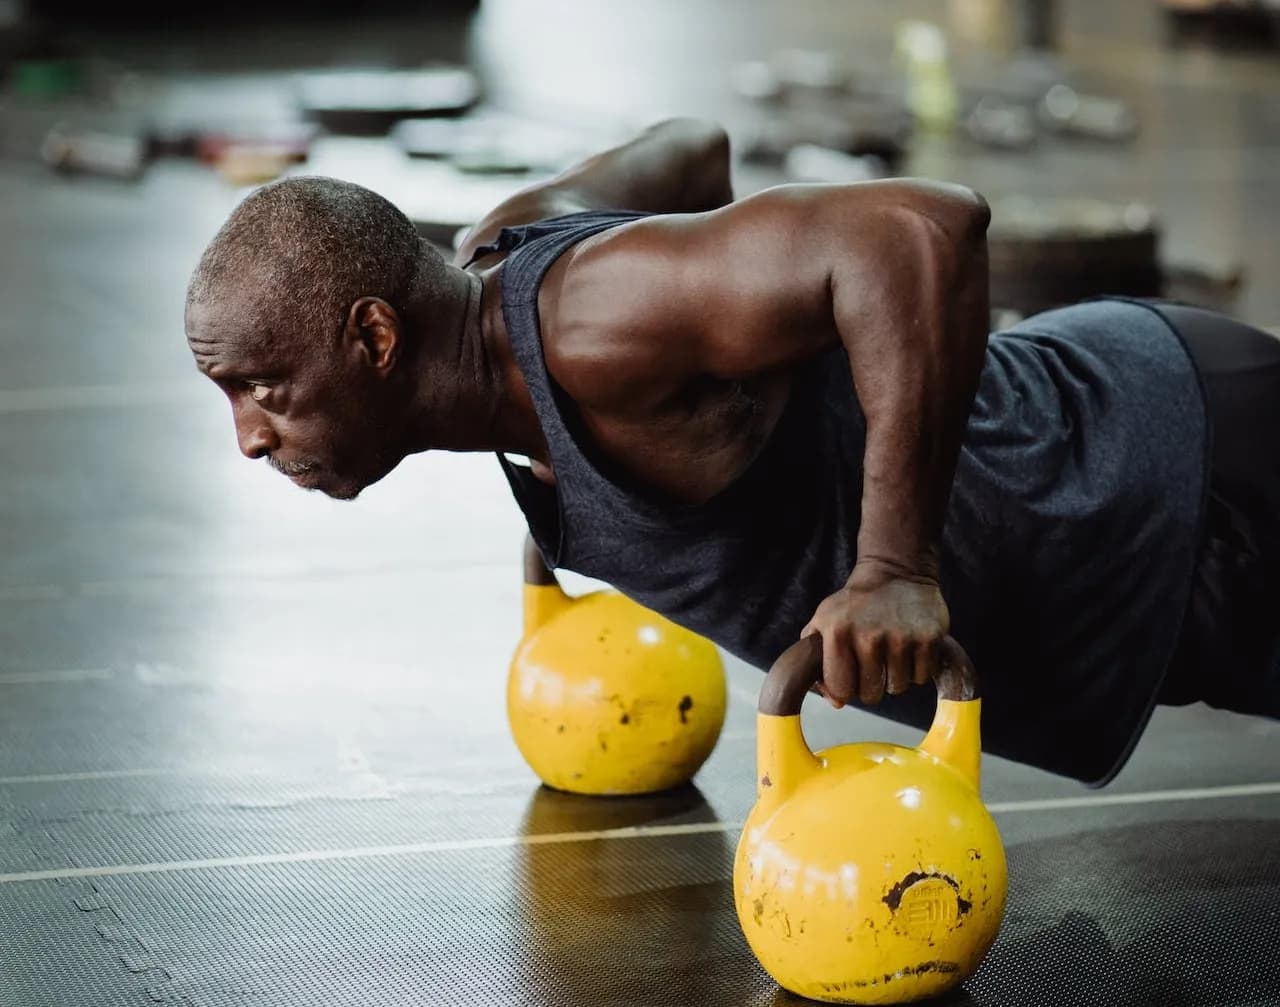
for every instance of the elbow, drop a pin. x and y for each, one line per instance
(977, 214)
(707, 146)
(956, 212)
(715, 142)
(705, 163)
(705, 135)
(961, 212)
(713, 168)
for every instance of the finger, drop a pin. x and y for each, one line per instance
(927, 656)
(817, 688)
(899, 665)
(839, 669)
(870, 651)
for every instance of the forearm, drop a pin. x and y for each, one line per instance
(916, 352)
(675, 166)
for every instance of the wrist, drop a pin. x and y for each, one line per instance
(878, 568)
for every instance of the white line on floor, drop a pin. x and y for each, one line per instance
(634, 832)
(41, 677)
(1142, 797)
(104, 774)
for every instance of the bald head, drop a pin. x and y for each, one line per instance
(295, 254)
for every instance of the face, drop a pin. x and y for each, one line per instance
(321, 419)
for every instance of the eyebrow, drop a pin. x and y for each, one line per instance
(207, 363)
(222, 373)
(226, 375)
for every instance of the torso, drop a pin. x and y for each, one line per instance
(697, 444)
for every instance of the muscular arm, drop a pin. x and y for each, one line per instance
(674, 166)
(896, 273)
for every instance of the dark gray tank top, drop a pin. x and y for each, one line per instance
(1071, 534)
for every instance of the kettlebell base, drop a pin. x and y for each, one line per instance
(923, 982)
(619, 791)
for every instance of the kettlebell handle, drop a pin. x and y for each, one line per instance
(799, 669)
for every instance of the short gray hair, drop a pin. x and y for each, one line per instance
(305, 248)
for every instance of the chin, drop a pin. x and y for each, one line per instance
(322, 482)
(338, 487)
(349, 489)
(342, 492)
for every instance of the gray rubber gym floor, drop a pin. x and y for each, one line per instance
(252, 742)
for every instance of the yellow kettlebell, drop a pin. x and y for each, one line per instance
(869, 873)
(605, 696)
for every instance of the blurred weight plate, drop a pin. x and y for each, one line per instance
(495, 143)
(113, 154)
(807, 162)
(248, 164)
(791, 73)
(812, 70)
(858, 126)
(289, 143)
(196, 115)
(437, 197)
(1046, 252)
(1065, 110)
(1000, 123)
(371, 102)
(755, 80)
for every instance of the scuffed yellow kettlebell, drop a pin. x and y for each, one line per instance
(869, 873)
(605, 696)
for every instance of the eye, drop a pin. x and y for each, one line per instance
(259, 392)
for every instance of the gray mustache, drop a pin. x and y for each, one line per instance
(291, 468)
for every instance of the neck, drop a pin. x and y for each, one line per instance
(471, 393)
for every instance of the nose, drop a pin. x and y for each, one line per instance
(256, 436)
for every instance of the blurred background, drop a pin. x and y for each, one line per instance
(253, 744)
(1126, 147)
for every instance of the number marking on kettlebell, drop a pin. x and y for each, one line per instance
(926, 905)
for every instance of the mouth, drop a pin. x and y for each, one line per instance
(301, 473)
(305, 480)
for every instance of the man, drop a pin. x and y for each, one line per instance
(783, 415)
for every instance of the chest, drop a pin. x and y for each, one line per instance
(692, 445)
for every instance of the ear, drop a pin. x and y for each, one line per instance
(374, 331)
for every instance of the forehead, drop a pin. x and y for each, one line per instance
(226, 343)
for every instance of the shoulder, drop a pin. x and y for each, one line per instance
(632, 314)
(652, 303)
(611, 312)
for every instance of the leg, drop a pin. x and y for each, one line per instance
(1230, 651)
